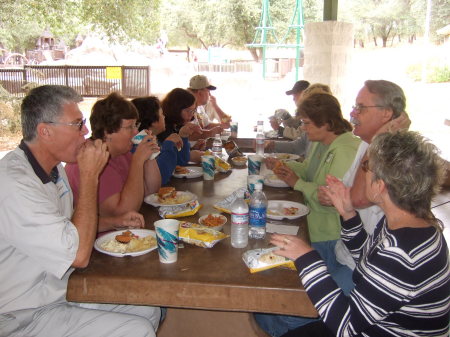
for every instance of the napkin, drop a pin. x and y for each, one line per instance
(170, 212)
(281, 229)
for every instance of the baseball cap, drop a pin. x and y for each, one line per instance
(281, 114)
(200, 82)
(298, 86)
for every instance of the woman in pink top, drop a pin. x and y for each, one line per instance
(127, 177)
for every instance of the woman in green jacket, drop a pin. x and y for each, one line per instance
(332, 152)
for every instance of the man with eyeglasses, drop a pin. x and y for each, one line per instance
(379, 107)
(42, 238)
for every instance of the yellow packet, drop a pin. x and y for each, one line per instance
(200, 236)
(264, 258)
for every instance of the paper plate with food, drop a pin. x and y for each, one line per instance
(273, 181)
(239, 160)
(169, 196)
(285, 156)
(188, 172)
(214, 220)
(283, 209)
(133, 242)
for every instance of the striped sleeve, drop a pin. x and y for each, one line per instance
(402, 287)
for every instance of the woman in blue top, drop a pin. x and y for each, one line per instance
(175, 147)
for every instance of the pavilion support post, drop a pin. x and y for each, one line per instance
(328, 55)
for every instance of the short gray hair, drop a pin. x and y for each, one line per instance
(389, 95)
(44, 104)
(412, 170)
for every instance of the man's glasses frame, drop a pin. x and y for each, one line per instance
(359, 107)
(79, 124)
(365, 166)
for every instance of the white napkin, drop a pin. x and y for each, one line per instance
(281, 229)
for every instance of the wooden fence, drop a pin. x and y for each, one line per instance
(88, 81)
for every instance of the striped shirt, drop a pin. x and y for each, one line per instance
(402, 283)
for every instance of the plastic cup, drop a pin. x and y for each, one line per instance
(254, 164)
(209, 167)
(138, 138)
(234, 129)
(167, 238)
(252, 180)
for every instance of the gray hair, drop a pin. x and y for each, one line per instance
(44, 104)
(411, 169)
(388, 94)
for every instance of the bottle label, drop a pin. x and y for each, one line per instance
(257, 216)
(239, 219)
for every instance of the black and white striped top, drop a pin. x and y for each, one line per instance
(402, 283)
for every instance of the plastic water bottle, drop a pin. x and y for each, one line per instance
(239, 223)
(217, 145)
(258, 213)
(260, 137)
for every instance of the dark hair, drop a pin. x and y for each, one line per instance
(148, 110)
(107, 114)
(412, 170)
(172, 105)
(44, 104)
(388, 94)
(324, 109)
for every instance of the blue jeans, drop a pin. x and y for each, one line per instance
(277, 325)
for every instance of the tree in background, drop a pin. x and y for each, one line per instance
(22, 21)
(214, 23)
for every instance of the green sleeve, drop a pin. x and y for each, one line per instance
(336, 163)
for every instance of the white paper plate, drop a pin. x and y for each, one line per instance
(273, 181)
(152, 199)
(275, 209)
(285, 156)
(194, 172)
(109, 236)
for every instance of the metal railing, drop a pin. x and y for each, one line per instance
(88, 81)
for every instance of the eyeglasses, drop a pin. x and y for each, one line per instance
(359, 107)
(79, 124)
(365, 166)
(132, 126)
(304, 123)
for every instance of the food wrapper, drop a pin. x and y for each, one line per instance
(225, 204)
(171, 212)
(200, 236)
(264, 258)
(221, 165)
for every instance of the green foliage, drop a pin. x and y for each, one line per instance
(23, 21)
(9, 113)
(436, 71)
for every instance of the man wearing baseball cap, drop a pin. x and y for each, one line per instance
(207, 108)
(297, 90)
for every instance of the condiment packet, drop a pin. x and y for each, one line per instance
(171, 212)
(263, 258)
(199, 235)
(138, 138)
(225, 204)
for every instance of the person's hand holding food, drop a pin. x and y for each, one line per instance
(284, 173)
